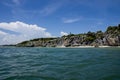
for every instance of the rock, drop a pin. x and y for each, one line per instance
(109, 38)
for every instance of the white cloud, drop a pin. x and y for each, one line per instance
(49, 10)
(25, 32)
(17, 2)
(13, 3)
(2, 33)
(53, 7)
(99, 23)
(63, 33)
(70, 20)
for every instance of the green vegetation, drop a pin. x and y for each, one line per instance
(90, 36)
(110, 37)
(113, 30)
(24, 42)
(43, 39)
(99, 34)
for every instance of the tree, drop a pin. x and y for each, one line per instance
(99, 34)
(111, 29)
(70, 35)
(90, 36)
(118, 25)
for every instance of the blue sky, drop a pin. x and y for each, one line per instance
(75, 16)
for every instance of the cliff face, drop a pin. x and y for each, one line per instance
(111, 37)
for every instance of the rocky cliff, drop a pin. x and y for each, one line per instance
(111, 37)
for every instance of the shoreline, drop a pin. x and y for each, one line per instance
(86, 47)
(67, 47)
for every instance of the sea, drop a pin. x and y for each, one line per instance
(26, 63)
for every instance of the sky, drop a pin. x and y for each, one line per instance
(22, 20)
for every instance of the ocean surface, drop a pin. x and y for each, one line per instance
(59, 63)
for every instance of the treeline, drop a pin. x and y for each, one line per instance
(91, 36)
(111, 37)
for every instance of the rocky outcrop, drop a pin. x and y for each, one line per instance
(111, 37)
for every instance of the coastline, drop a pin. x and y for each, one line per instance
(13, 46)
(87, 47)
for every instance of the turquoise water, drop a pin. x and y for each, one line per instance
(59, 63)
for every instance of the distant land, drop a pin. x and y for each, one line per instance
(111, 37)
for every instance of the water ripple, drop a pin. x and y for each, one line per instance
(59, 64)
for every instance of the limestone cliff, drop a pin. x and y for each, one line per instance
(111, 37)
